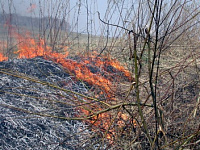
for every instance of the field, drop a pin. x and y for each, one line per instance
(136, 89)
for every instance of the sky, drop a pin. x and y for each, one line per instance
(50, 7)
(23, 7)
(82, 15)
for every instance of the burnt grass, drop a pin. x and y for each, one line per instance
(22, 101)
(31, 108)
(24, 130)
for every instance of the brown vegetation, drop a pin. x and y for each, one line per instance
(154, 105)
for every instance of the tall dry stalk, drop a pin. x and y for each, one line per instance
(157, 42)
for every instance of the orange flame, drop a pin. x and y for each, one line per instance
(83, 73)
(2, 57)
(103, 122)
(30, 48)
(31, 8)
(104, 61)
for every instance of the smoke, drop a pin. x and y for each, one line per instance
(21, 7)
(73, 11)
(31, 8)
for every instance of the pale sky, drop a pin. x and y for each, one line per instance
(113, 11)
(49, 7)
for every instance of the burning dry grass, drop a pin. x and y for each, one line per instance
(109, 106)
(99, 73)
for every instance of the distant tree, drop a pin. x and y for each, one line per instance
(26, 21)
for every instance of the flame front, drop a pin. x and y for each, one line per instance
(2, 57)
(29, 48)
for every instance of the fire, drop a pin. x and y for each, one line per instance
(29, 48)
(104, 61)
(2, 57)
(103, 123)
(81, 68)
(31, 8)
(83, 73)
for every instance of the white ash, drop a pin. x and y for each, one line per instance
(21, 130)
